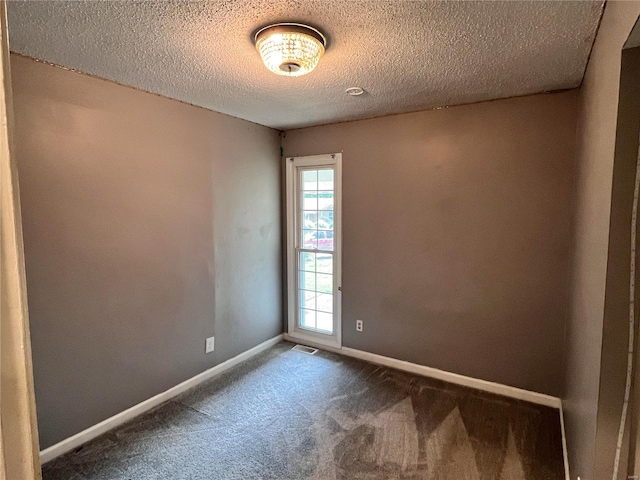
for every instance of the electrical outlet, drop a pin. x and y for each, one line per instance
(209, 345)
(359, 325)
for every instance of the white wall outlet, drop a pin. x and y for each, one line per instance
(359, 325)
(209, 345)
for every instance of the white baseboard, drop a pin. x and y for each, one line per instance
(492, 387)
(90, 433)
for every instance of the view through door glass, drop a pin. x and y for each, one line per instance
(315, 250)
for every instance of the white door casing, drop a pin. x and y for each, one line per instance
(314, 249)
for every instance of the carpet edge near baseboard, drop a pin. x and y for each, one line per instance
(80, 438)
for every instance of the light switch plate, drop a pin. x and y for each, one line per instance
(209, 345)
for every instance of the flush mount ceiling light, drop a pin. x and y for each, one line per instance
(290, 49)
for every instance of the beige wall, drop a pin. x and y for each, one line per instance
(596, 142)
(149, 225)
(457, 230)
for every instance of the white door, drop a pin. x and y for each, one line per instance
(314, 248)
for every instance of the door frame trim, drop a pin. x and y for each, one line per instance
(335, 160)
(18, 426)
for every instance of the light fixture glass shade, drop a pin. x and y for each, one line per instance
(290, 49)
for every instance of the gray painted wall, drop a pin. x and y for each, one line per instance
(457, 234)
(149, 225)
(596, 138)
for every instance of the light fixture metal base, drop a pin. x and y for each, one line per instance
(286, 27)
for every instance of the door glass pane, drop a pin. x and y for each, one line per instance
(310, 219)
(316, 232)
(325, 240)
(307, 261)
(307, 318)
(308, 281)
(324, 263)
(324, 283)
(325, 220)
(325, 200)
(310, 200)
(310, 239)
(310, 180)
(325, 179)
(307, 299)
(324, 321)
(323, 302)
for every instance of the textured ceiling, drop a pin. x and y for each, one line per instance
(407, 55)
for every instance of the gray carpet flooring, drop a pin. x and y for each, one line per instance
(287, 415)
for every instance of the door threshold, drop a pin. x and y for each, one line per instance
(330, 345)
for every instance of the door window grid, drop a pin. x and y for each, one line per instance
(315, 234)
